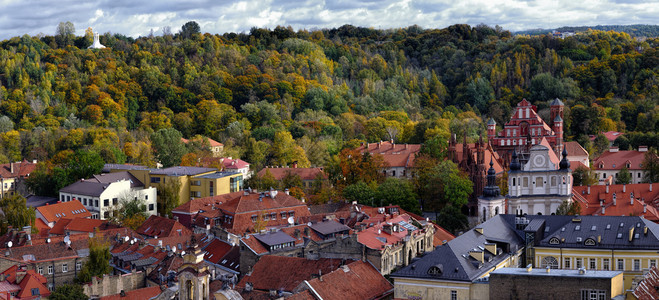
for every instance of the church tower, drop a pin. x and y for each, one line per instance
(556, 110)
(491, 203)
(194, 277)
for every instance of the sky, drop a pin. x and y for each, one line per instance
(137, 18)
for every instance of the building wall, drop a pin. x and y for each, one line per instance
(645, 259)
(114, 284)
(58, 277)
(418, 289)
(114, 193)
(515, 286)
(637, 175)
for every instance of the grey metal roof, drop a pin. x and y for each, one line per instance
(219, 174)
(534, 225)
(558, 119)
(556, 102)
(118, 176)
(145, 262)
(37, 201)
(491, 122)
(274, 238)
(454, 256)
(87, 188)
(107, 168)
(182, 171)
(329, 227)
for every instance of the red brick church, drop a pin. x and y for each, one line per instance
(526, 129)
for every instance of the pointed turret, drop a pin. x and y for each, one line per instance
(491, 189)
(564, 164)
(514, 164)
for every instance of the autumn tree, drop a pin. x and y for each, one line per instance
(16, 212)
(169, 196)
(568, 208)
(583, 176)
(355, 167)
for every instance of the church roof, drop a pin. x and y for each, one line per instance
(558, 119)
(491, 122)
(557, 102)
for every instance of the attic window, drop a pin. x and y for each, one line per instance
(622, 224)
(436, 270)
(613, 166)
(577, 228)
(608, 226)
(619, 236)
(563, 229)
(578, 239)
(593, 228)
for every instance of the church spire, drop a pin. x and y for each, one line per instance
(565, 163)
(492, 189)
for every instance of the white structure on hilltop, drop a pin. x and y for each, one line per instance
(541, 185)
(97, 44)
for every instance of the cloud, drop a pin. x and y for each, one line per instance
(136, 18)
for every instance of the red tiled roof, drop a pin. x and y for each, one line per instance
(162, 227)
(207, 203)
(552, 156)
(304, 173)
(21, 169)
(64, 225)
(357, 280)
(32, 280)
(253, 244)
(441, 236)
(575, 149)
(374, 240)
(590, 203)
(577, 164)
(143, 293)
(647, 288)
(395, 155)
(610, 135)
(618, 159)
(291, 270)
(216, 250)
(211, 142)
(488, 155)
(229, 163)
(303, 295)
(68, 209)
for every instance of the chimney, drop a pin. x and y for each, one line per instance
(631, 200)
(589, 189)
(642, 148)
(650, 186)
(11, 167)
(614, 198)
(624, 187)
(607, 188)
(294, 165)
(645, 208)
(603, 210)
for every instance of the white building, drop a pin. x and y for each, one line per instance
(103, 193)
(541, 185)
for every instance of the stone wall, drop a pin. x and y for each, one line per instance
(114, 284)
(512, 286)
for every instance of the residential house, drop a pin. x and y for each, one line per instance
(611, 136)
(12, 176)
(398, 157)
(187, 212)
(291, 270)
(102, 194)
(50, 214)
(214, 146)
(542, 184)
(357, 280)
(577, 155)
(458, 269)
(68, 226)
(236, 165)
(223, 260)
(618, 200)
(530, 283)
(307, 175)
(525, 129)
(156, 226)
(609, 164)
(20, 283)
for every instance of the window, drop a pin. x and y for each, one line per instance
(106, 202)
(195, 194)
(84, 201)
(525, 182)
(61, 197)
(35, 291)
(106, 215)
(621, 264)
(553, 181)
(115, 201)
(50, 270)
(550, 262)
(155, 179)
(291, 213)
(637, 265)
(146, 197)
(593, 264)
(566, 263)
(65, 268)
(211, 190)
(593, 294)
(253, 218)
(652, 263)
(68, 198)
(579, 263)
(538, 181)
(196, 183)
(40, 270)
(78, 266)
(151, 207)
(283, 215)
(454, 295)
(96, 203)
(605, 264)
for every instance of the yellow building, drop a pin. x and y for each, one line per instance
(12, 174)
(616, 243)
(460, 268)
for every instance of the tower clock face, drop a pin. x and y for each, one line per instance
(539, 161)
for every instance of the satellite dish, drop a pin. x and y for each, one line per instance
(291, 220)
(309, 224)
(182, 253)
(67, 239)
(126, 238)
(9, 244)
(48, 240)
(174, 249)
(132, 242)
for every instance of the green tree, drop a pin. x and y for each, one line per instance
(291, 180)
(168, 146)
(479, 93)
(68, 292)
(569, 208)
(651, 166)
(441, 184)
(452, 219)
(600, 144)
(99, 260)
(65, 33)
(16, 212)
(397, 192)
(583, 176)
(361, 192)
(624, 177)
(190, 30)
(169, 196)
(130, 209)
(435, 147)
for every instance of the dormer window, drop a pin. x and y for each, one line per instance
(628, 165)
(601, 165)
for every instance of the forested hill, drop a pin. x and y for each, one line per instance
(278, 96)
(638, 30)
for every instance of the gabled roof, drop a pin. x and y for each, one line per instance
(85, 187)
(304, 173)
(357, 280)
(229, 163)
(108, 178)
(395, 155)
(143, 293)
(616, 160)
(64, 225)
(21, 169)
(590, 203)
(329, 227)
(285, 273)
(32, 280)
(376, 238)
(207, 203)
(211, 142)
(68, 209)
(162, 227)
(552, 156)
